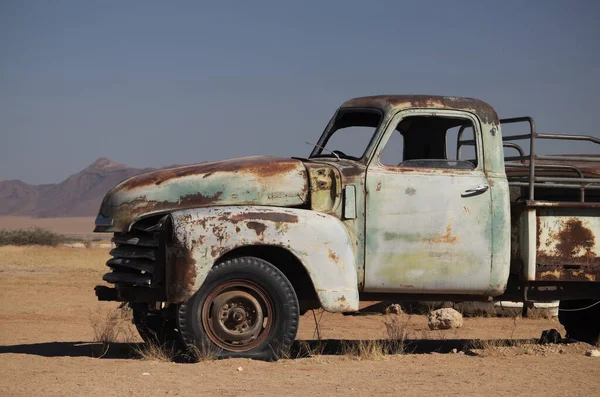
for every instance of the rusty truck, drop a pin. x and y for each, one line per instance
(402, 197)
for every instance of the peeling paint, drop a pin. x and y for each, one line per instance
(447, 237)
(320, 242)
(245, 181)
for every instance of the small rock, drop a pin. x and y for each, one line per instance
(145, 374)
(593, 353)
(240, 369)
(446, 318)
(394, 309)
(455, 350)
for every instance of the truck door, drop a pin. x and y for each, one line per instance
(428, 209)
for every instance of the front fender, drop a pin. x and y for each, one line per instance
(199, 237)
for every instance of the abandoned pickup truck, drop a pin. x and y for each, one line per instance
(402, 197)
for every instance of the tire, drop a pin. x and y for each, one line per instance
(156, 327)
(246, 308)
(582, 325)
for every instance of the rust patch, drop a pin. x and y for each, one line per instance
(198, 199)
(265, 216)
(142, 205)
(447, 237)
(538, 226)
(410, 191)
(378, 186)
(350, 172)
(574, 238)
(263, 166)
(548, 269)
(181, 272)
(259, 228)
(332, 256)
(484, 111)
(573, 258)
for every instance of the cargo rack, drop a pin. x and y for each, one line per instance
(577, 178)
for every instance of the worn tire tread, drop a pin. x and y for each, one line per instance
(274, 275)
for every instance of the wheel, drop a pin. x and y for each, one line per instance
(582, 325)
(245, 308)
(156, 327)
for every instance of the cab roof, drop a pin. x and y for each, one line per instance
(389, 103)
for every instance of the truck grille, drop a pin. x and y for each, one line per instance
(138, 258)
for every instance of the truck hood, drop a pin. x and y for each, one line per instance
(244, 181)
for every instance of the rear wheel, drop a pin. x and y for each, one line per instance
(581, 321)
(245, 308)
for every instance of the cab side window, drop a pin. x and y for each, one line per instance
(432, 142)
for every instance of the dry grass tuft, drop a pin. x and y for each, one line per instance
(311, 350)
(155, 352)
(495, 344)
(365, 349)
(201, 354)
(396, 332)
(379, 349)
(111, 326)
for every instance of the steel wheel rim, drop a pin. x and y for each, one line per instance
(238, 315)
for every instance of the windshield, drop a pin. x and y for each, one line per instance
(349, 134)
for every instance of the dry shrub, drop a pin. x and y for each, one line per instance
(34, 236)
(304, 349)
(111, 326)
(365, 349)
(201, 354)
(379, 349)
(312, 350)
(151, 351)
(396, 332)
(493, 344)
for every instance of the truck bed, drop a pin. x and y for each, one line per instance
(555, 210)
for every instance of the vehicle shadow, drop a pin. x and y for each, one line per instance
(335, 347)
(74, 349)
(300, 348)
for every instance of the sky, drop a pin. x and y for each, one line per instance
(154, 83)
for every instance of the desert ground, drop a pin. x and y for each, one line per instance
(49, 314)
(78, 227)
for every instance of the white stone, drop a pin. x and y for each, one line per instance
(446, 318)
(593, 353)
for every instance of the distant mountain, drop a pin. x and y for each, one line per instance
(78, 195)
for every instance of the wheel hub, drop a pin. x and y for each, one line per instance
(235, 318)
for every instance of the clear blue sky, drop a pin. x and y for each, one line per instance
(153, 83)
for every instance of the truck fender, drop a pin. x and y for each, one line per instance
(199, 237)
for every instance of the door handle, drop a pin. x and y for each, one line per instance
(479, 189)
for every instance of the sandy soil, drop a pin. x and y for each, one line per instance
(79, 227)
(45, 349)
(72, 225)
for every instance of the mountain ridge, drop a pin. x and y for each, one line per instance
(79, 194)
